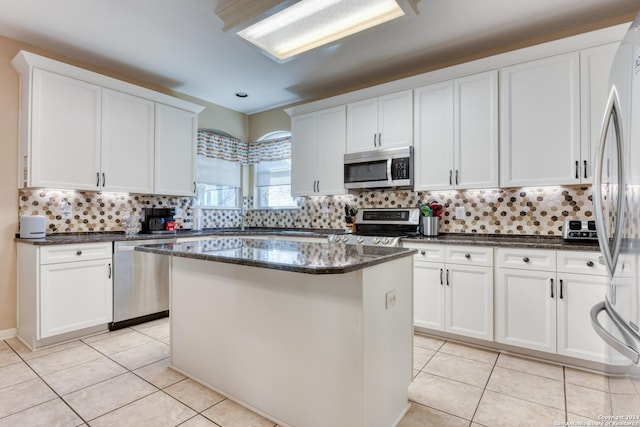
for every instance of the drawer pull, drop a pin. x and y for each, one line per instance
(79, 253)
(552, 288)
(589, 263)
(467, 256)
(441, 281)
(525, 259)
(423, 253)
(561, 296)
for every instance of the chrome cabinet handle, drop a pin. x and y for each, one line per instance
(379, 140)
(610, 253)
(97, 179)
(318, 186)
(525, 259)
(441, 282)
(577, 169)
(589, 263)
(375, 143)
(561, 297)
(552, 296)
(109, 270)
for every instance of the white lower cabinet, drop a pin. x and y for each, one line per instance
(453, 289)
(64, 291)
(544, 303)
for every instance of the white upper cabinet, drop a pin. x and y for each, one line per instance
(381, 122)
(317, 153)
(540, 122)
(80, 130)
(127, 143)
(456, 128)
(176, 133)
(595, 66)
(65, 133)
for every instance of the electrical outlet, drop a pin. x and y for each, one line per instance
(390, 299)
(67, 211)
(459, 212)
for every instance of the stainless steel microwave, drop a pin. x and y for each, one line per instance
(386, 168)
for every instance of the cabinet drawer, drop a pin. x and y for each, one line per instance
(526, 259)
(581, 263)
(431, 253)
(75, 252)
(469, 255)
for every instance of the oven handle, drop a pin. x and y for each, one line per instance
(626, 349)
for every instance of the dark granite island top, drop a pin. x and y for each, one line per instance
(301, 257)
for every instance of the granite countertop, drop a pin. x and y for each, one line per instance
(472, 239)
(105, 236)
(508, 241)
(300, 257)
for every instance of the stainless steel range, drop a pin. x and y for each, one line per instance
(381, 227)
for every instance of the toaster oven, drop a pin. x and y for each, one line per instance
(575, 229)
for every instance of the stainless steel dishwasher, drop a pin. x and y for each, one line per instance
(140, 283)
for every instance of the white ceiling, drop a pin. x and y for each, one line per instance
(179, 44)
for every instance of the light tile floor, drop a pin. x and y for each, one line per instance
(122, 378)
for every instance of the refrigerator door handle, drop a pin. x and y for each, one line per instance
(626, 349)
(610, 255)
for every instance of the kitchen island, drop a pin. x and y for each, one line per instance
(305, 334)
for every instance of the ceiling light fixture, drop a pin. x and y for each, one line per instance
(307, 24)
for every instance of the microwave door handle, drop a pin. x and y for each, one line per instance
(389, 175)
(625, 349)
(611, 114)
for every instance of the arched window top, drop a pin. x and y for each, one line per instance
(275, 135)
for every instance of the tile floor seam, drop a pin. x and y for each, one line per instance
(484, 389)
(439, 410)
(529, 373)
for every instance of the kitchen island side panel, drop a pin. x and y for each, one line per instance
(293, 346)
(271, 340)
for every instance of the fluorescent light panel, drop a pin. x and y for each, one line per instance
(311, 23)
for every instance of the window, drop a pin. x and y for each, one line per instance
(217, 180)
(273, 179)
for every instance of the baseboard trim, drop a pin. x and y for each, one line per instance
(8, 333)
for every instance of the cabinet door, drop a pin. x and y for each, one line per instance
(74, 295)
(175, 151)
(428, 295)
(469, 301)
(595, 67)
(395, 119)
(577, 293)
(526, 309)
(331, 145)
(304, 132)
(475, 127)
(65, 139)
(362, 125)
(433, 150)
(127, 143)
(540, 122)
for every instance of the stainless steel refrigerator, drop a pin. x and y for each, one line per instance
(616, 198)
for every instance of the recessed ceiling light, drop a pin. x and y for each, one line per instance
(241, 94)
(308, 24)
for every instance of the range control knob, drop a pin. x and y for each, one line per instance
(385, 241)
(360, 239)
(376, 241)
(345, 239)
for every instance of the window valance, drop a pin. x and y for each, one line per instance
(214, 145)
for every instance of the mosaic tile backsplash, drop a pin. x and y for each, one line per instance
(528, 211)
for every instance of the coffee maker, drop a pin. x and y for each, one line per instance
(158, 221)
